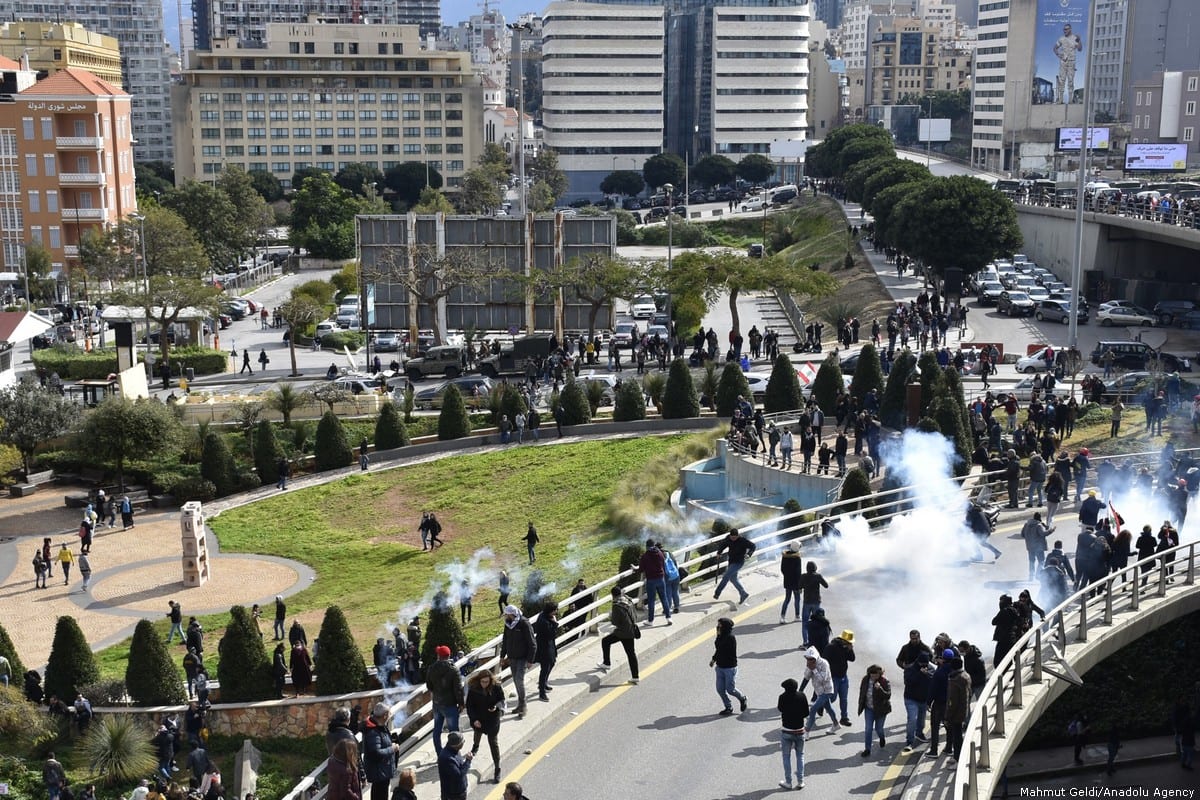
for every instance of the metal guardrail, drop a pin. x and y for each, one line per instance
(794, 314)
(1022, 671)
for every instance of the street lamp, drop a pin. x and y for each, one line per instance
(518, 28)
(1018, 104)
(1084, 141)
(669, 188)
(141, 220)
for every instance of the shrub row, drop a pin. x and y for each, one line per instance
(74, 364)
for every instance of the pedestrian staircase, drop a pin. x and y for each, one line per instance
(775, 317)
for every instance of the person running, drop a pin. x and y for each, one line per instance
(810, 584)
(816, 669)
(724, 661)
(790, 567)
(625, 631)
(739, 550)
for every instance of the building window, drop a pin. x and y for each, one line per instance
(1189, 134)
(1190, 108)
(1137, 100)
(55, 237)
(52, 201)
(1149, 98)
(1193, 84)
(47, 128)
(27, 128)
(35, 234)
(30, 165)
(310, 48)
(35, 201)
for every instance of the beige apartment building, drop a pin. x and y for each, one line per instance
(54, 46)
(66, 163)
(325, 96)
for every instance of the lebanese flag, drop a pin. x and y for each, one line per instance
(1117, 519)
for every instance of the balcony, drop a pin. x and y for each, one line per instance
(71, 251)
(78, 142)
(82, 179)
(83, 215)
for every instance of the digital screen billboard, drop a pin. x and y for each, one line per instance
(1156, 157)
(1071, 138)
(1059, 52)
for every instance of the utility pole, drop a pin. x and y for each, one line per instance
(518, 28)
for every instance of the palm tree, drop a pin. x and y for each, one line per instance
(285, 399)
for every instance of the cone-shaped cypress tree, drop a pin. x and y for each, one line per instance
(932, 382)
(855, 486)
(576, 408)
(631, 403)
(245, 670)
(730, 389)
(339, 663)
(453, 422)
(443, 628)
(679, 398)
(71, 663)
(151, 678)
(828, 383)
(892, 406)
(266, 453)
(216, 464)
(783, 387)
(390, 432)
(945, 411)
(868, 374)
(331, 448)
(9, 651)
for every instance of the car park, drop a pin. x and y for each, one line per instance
(1015, 304)
(1125, 315)
(642, 307)
(1058, 311)
(324, 327)
(1167, 310)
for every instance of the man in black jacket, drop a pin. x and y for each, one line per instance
(739, 550)
(545, 631)
(445, 685)
(839, 654)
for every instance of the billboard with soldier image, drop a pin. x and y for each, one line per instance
(1059, 51)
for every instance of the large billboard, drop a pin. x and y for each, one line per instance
(1072, 138)
(1059, 51)
(1156, 157)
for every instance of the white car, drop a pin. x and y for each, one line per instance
(1034, 362)
(1116, 304)
(1125, 315)
(642, 307)
(753, 203)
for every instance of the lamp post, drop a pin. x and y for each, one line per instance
(1013, 161)
(1081, 179)
(929, 133)
(669, 188)
(141, 220)
(518, 28)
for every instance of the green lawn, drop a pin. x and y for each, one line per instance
(360, 533)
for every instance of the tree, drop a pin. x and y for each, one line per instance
(303, 174)
(71, 663)
(442, 629)
(285, 399)
(856, 485)
(630, 403)
(713, 170)
(120, 429)
(932, 383)
(453, 422)
(828, 383)
(217, 465)
(825, 160)
(331, 448)
(409, 179)
(956, 221)
(679, 399)
(433, 201)
(732, 388)
(496, 157)
(575, 407)
(339, 663)
(952, 379)
(868, 374)
(31, 415)
(891, 172)
(357, 176)
(544, 168)
(266, 453)
(863, 150)
(390, 432)
(598, 280)
(951, 105)
(267, 185)
(151, 178)
(251, 214)
(210, 215)
(118, 748)
(151, 677)
(9, 651)
(755, 168)
(664, 168)
(300, 311)
(624, 182)
(893, 405)
(883, 208)
(480, 193)
(42, 287)
(323, 218)
(858, 174)
(783, 387)
(945, 412)
(244, 670)
(540, 197)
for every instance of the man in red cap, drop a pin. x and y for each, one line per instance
(446, 690)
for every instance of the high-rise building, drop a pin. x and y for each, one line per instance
(246, 20)
(326, 96)
(828, 11)
(66, 162)
(54, 46)
(903, 60)
(1163, 36)
(1109, 57)
(137, 25)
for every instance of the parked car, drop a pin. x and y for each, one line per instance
(357, 384)
(783, 197)
(324, 327)
(657, 330)
(624, 334)
(1035, 361)
(1168, 310)
(755, 250)
(475, 390)
(1131, 385)
(1189, 319)
(754, 203)
(387, 342)
(1125, 315)
(1058, 311)
(52, 314)
(1015, 304)
(1127, 354)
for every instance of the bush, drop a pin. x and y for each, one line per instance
(792, 506)
(217, 465)
(150, 676)
(118, 749)
(630, 403)
(892, 408)
(336, 340)
(339, 663)
(953, 388)
(931, 379)
(71, 663)
(443, 628)
(856, 485)
(783, 387)
(828, 383)
(868, 374)
(193, 488)
(244, 670)
(575, 407)
(266, 453)
(390, 432)
(631, 554)
(679, 399)
(595, 396)
(946, 412)
(453, 422)
(73, 363)
(21, 722)
(928, 425)
(654, 384)
(709, 383)
(733, 387)
(332, 449)
(106, 692)
(204, 360)
(10, 652)
(511, 402)
(321, 291)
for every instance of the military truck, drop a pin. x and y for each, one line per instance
(525, 351)
(449, 360)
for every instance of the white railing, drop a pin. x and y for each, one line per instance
(78, 142)
(1020, 674)
(82, 178)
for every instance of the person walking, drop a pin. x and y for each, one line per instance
(379, 752)
(485, 708)
(85, 571)
(793, 711)
(503, 586)
(280, 616)
(445, 685)
(724, 661)
(816, 669)
(453, 768)
(246, 362)
(465, 595)
(176, 616)
(1035, 534)
(810, 585)
(958, 706)
(918, 690)
(518, 649)
(739, 550)
(284, 469)
(790, 567)
(625, 631)
(531, 540)
(839, 654)
(65, 559)
(545, 631)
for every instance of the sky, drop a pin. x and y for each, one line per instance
(453, 11)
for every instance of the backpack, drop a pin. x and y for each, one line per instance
(669, 566)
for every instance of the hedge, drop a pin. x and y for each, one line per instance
(74, 364)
